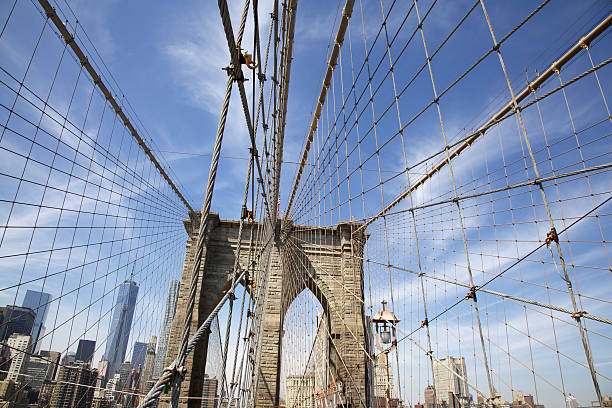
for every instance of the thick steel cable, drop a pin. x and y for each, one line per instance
(235, 270)
(238, 76)
(186, 345)
(69, 38)
(236, 382)
(287, 54)
(170, 373)
(346, 15)
(509, 107)
(205, 217)
(565, 276)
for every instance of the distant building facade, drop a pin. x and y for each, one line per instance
(69, 358)
(147, 370)
(12, 394)
(430, 397)
(39, 303)
(19, 345)
(41, 368)
(381, 402)
(301, 391)
(16, 320)
(121, 324)
(45, 393)
(383, 377)
(101, 381)
(209, 392)
(74, 387)
(124, 372)
(139, 353)
(85, 350)
(102, 402)
(164, 336)
(112, 386)
(450, 376)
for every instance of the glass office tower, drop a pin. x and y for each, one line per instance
(39, 303)
(164, 338)
(121, 324)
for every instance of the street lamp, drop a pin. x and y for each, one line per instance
(385, 322)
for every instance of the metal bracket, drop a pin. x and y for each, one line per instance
(551, 237)
(472, 293)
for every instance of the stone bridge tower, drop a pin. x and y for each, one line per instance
(326, 261)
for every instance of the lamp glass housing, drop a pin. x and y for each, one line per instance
(385, 335)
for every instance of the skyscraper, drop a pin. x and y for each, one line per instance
(16, 320)
(68, 392)
(164, 337)
(138, 355)
(120, 326)
(42, 368)
(430, 399)
(384, 376)
(39, 303)
(449, 377)
(124, 372)
(85, 350)
(147, 370)
(19, 345)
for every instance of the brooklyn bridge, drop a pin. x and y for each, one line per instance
(280, 203)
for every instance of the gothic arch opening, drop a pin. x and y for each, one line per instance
(304, 350)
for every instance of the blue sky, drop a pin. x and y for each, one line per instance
(166, 60)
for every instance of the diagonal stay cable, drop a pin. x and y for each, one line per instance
(527, 255)
(174, 373)
(509, 107)
(171, 372)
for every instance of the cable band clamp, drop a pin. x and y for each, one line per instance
(551, 237)
(472, 293)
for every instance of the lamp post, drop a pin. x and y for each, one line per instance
(385, 322)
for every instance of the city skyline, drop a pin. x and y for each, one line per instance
(25, 320)
(443, 367)
(449, 372)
